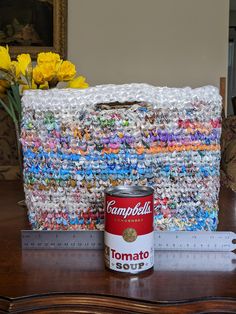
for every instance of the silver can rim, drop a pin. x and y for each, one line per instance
(129, 191)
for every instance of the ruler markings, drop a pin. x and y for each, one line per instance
(164, 260)
(164, 240)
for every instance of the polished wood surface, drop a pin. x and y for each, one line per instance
(77, 282)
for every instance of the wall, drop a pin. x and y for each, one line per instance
(161, 42)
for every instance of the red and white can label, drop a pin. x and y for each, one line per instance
(129, 236)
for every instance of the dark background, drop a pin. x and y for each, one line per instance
(26, 22)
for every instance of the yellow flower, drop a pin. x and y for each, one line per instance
(48, 57)
(44, 72)
(34, 86)
(44, 86)
(24, 61)
(78, 82)
(38, 75)
(15, 68)
(5, 59)
(66, 71)
(48, 70)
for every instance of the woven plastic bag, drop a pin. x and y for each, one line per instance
(78, 142)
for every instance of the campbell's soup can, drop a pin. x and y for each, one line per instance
(128, 234)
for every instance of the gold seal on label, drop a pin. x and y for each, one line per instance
(129, 234)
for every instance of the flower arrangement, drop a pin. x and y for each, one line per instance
(21, 74)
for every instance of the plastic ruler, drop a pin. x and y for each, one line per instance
(164, 241)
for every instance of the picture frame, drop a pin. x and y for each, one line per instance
(37, 26)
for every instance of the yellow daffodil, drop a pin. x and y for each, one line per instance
(24, 61)
(44, 86)
(15, 69)
(66, 71)
(38, 75)
(48, 57)
(34, 86)
(48, 71)
(20, 75)
(78, 82)
(5, 59)
(44, 72)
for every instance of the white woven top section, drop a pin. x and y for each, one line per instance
(158, 97)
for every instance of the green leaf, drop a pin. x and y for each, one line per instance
(9, 111)
(6, 75)
(11, 106)
(16, 93)
(13, 101)
(29, 75)
(3, 76)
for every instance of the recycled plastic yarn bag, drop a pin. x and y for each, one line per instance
(78, 142)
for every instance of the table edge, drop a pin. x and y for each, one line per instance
(98, 303)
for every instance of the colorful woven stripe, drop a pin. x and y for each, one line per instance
(78, 142)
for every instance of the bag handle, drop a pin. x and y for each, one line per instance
(123, 105)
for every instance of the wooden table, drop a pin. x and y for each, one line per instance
(76, 281)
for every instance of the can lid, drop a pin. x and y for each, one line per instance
(129, 191)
